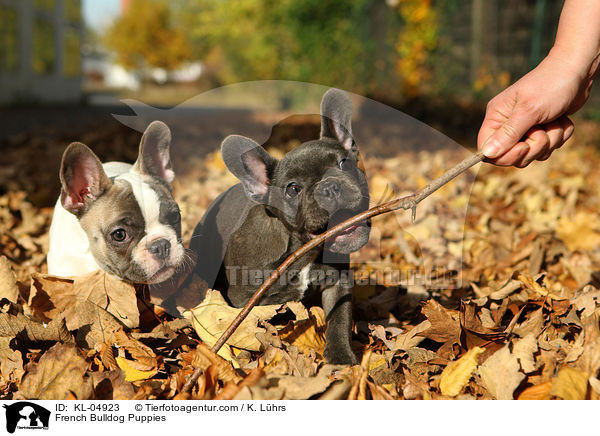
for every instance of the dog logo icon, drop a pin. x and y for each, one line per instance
(26, 415)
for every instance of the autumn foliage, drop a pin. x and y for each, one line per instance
(145, 37)
(499, 300)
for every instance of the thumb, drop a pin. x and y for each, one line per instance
(509, 133)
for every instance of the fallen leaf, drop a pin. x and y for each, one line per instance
(143, 363)
(570, 384)
(501, 374)
(456, 375)
(8, 281)
(445, 325)
(537, 392)
(523, 350)
(115, 296)
(211, 318)
(51, 296)
(29, 331)
(11, 362)
(59, 372)
(412, 337)
(588, 302)
(131, 372)
(579, 233)
(307, 334)
(111, 385)
(203, 358)
(589, 361)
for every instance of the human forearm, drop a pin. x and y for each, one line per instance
(578, 36)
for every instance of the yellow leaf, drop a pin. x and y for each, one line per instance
(307, 334)
(531, 284)
(581, 232)
(212, 317)
(570, 384)
(457, 374)
(376, 361)
(131, 373)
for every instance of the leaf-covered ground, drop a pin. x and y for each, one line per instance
(491, 293)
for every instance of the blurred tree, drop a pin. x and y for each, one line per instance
(144, 36)
(345, 43)
(416, 42)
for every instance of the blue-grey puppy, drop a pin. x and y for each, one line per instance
(279, 206)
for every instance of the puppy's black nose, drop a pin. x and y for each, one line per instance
(330, 189)
(160, 248)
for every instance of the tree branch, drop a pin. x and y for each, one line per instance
(409, 202)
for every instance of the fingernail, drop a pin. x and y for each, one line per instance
(524, 150)
(492, 149)
(568, 132)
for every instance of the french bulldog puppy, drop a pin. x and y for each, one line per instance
(279, 206)
(117, 217)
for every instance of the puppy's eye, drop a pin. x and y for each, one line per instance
(119, 235)
(293, 189)
(173, 216)
(346, 164)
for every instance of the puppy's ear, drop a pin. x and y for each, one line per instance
(82, 178)
(154, 158)
(336, 118)
(250, 163)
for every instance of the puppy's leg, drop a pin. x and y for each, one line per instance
(337, 304)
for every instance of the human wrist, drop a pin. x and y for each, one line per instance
(579, 61)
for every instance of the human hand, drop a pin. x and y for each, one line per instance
(528, 121)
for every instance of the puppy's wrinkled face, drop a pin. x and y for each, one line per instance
(134, 230)
(315, 187)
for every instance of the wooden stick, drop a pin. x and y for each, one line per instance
(409, 202)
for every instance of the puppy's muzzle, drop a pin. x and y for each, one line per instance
(160, 249)
(333, 194)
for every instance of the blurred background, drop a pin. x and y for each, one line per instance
(439, 60)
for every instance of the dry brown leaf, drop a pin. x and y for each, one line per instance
(589, 361)
(11, 362)
(204, 358)
(142, 356)
(501, 374)
(51, 296)
(232, 389)
(27, 330)
(111, 385)
(457, 374)
(211, 318)
(8, 281)
(445, 325)
(94, 325)
(532, 284)
(108, 292)
(59, 372)
(570, 384)
(411, 338)
(588, 301)
(286, 387)
(523, 350)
